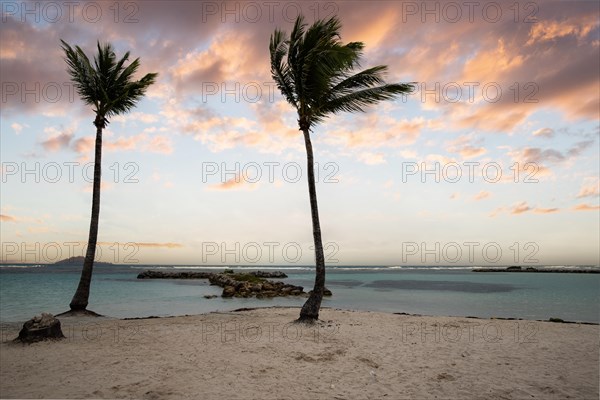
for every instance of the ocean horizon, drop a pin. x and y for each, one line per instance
(29, 289)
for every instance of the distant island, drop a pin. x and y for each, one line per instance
(79, 260)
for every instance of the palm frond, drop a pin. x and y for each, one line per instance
(357, 100)
(81, 73)
(280, 71)
(364, 79)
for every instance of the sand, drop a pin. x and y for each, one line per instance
(260, 354)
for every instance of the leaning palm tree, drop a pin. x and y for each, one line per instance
(317, 78)
(109, 87)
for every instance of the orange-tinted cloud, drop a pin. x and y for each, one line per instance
(84, 144)
(586, 207)
(545, 210)
(520, 208)
(57, 140)
(236, 183)
(481, 195)
(463, 145)
(372, 158)
(7, 218)
(158, 245)
(374, 130)
(590, 188)
(159, 144)
(18, 128)
(544, 132)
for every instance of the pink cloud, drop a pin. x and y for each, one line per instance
(590, 188)
(522, 208)
(481, 195)
(544, 132)
(7, 218)
(159, 144)
(236, 183)
(57, 141)
(586, 207)
(372, 158)
(463, 145)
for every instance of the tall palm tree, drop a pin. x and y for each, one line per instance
(109, 87)
(318, 79)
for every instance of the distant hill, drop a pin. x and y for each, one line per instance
(78, 261)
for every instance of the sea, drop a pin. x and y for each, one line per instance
(28, 290)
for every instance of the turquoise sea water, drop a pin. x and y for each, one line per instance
(456, 291)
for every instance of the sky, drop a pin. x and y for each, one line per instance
(494, 160)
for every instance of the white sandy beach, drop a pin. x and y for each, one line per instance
(259, 354)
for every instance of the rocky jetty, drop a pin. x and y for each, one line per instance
(268, 274)
(41, 327)
(154, 274)
(235, 284)
(248, 285)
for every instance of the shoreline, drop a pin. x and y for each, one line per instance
(101, 317)
(263, 353)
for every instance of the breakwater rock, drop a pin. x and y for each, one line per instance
(154, 274)
(246, 285)
(235, 284)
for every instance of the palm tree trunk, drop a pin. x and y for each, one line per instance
(310, 309)
(80, 299)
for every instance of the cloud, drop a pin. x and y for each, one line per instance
(158, 245)
(545, 210)
(553, 64)
(481, 195)
(18, 128)
(586, 207)
(7, 218)
(522, 208)
(159, 144)
(57, 140)
(136, 116)
(463, 145)
(590, 188)
(231, 60)
(84, 145)
(535, 161)
(372, 158)
(373, 131)
(272, 130)
(236, 183)
(141, 142)
(544, 31)
(544, 132)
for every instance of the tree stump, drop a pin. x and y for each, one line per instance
(40, 328)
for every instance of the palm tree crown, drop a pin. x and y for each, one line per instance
(108, 84)
(317, 77)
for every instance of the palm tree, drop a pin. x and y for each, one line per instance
(108, 86)
(317, 79)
